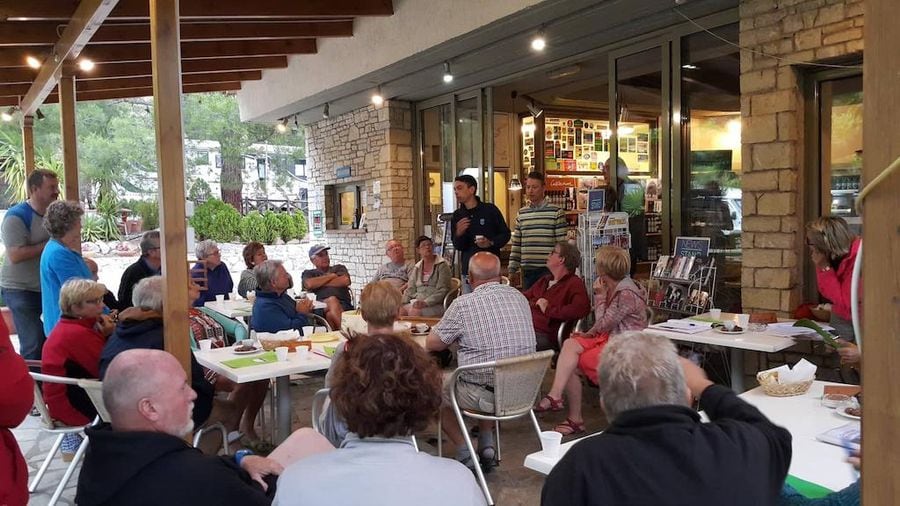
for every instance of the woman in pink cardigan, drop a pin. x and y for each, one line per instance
(620, 305)
(833, 249)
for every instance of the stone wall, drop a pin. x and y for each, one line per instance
(376, 142)
(772, 135)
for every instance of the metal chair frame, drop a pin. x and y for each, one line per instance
(455, 287)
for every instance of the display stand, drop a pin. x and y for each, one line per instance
(596, 229)
(682, 285)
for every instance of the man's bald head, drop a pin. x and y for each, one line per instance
(140, 391)
(483, 267)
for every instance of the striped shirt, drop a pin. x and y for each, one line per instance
(491, 323)
(538, 229)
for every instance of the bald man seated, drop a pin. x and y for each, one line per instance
(141, 457)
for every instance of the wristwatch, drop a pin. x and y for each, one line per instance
(240, 454)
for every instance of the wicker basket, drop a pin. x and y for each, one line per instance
(292, 344)
(768, 380)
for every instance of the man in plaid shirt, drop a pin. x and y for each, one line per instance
(490, 323)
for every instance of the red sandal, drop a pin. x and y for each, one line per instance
(569, 427)
(555, 405)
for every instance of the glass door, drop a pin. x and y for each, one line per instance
(840, 152)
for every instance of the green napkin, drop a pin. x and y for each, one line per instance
(704, 319)
(263, 358)
(807, 489)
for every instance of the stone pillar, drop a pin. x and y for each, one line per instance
(772, 135)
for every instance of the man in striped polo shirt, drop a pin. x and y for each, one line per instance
(538, 228)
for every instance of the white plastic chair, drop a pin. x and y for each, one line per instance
(54, 427)
(455, 287)
(517, 382)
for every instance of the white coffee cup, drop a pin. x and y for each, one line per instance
(550, 441)
(302, 352)
(301, 295)
(205, 344)
(421, 327)
(220, 297)
(308, 330)
(281, 353)
(743, 320)
(715, 313)
(729, 325)
(311, 296)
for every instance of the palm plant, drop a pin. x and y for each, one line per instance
(12, 165)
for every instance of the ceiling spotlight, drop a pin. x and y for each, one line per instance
(33, 62)
(448, 76)
(85, 64)
(688, 66)
(325, 113)
(539, 42)
(281, 127)
(7, 115)
(532, 107)
(39, 114)
(378, 98)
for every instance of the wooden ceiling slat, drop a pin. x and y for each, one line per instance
(15, 33)
(147, 82)
(106, 53)
(130, 93)
(257, 9)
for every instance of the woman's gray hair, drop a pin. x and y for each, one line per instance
(265, 273)
(61, 217)
(205, 248)
(148, 294)
(640, 370)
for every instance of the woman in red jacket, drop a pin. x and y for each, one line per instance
(73, 349)
(16, 399)
(557, 297)
(833, 249)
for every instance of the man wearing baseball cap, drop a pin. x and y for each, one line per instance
(331, 284)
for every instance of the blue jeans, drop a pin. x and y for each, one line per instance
(26, 310)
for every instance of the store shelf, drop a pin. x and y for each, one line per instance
(572, 173)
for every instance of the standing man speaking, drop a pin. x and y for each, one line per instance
(477, 226)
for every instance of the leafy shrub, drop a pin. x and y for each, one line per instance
(287, 229)
(302, 224)
(91, 228)
(253, 228)
(148, 212)
(216, 220)
(199, 190)
(109, 212)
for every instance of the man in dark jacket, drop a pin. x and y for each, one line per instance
(274, 309)
(142, 458)
(150, 264)
(476, 225)
(656, 450)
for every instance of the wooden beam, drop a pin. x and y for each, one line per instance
(84, 96)
(259, 9)
(17, 75)
(19, 33)
(170, 159)
(147, 82)
(28, 144)
(881, 256)
(87, 17)
(67, 130)
(137, 69)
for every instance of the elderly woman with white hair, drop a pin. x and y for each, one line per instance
(274, 309)
(209, 264)
(61, 259)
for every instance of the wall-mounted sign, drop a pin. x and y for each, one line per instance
(318, 222)
(342, 172)
(692, 246)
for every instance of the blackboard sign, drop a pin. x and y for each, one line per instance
(691, 246)
(596, 200)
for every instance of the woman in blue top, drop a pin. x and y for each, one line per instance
(218, 278)
(274, 309)
(61, 259)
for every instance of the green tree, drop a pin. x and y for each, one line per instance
(215, 116)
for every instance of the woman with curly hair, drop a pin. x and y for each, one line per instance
(254, 254)
(61, 259)
(387, 388)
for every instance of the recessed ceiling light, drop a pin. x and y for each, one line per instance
(448, 76)
(377, 97)
(86, 64)
(539, 42)
(688, 66)
(33, 62)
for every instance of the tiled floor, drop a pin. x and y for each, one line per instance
(510, 483)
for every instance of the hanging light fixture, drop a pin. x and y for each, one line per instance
(532, 107)
(378, 98)
(325, 113)
(515, 184)
(39, 114)
(281, 127)
(448, 76)
(539, 42)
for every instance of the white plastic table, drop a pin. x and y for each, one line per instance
(803, 415)
(281, 371)
(752, 341)
(242, 308)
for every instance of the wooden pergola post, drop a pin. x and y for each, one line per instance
(28, 144)
(881, 257)
(67, 128)
(166, 66)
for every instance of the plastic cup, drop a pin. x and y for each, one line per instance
(308, 330)
(302, 352)
(220, 297)
(311, 296)
(247, 342)
(550, 441)
(290, 292)
(205, 344)
(715, 313)
(743, 320)
(281, 353)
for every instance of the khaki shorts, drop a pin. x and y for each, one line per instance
(469, 396)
